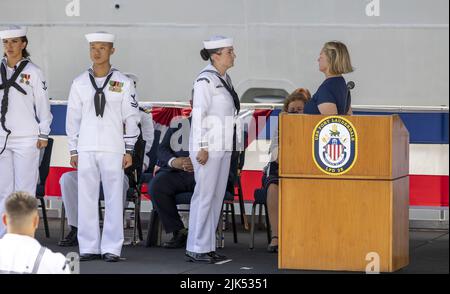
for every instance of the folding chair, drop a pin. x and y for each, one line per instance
(44, 169)
(260, 196)
(134, 174)
(238, 185)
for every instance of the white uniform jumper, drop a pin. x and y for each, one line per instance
(98, 139)
(21, 254)
(28, 118)
(212, 127)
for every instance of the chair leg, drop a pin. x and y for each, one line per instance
(227, 216)
(141, 234)
(137, 230)
(44, 216)
(269, 230)
(137, 217)
(220, 230)
(135, 233)
(233, 222)
(225, 220)
(63, 221)
(260, 217)
(252, 227)
(244, 220)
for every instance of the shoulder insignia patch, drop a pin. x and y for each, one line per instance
(134, 103)
(203, 79)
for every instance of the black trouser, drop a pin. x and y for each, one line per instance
(163, 188)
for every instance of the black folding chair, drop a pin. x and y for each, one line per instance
(134, 174)
(260, 196)
(238, 185)
(44, 169)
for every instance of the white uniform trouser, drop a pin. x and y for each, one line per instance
(19, 169)
(69, 195)
(206, 203)
(93, 167)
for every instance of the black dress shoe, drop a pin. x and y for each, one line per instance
(273, 248)
(217, 257)
(178, 240)
(71, 239)
(199, 257)
(89, 256)
(109, 257)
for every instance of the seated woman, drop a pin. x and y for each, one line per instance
(333, 96)
(294, 103)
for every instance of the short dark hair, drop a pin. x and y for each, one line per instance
(19, 206)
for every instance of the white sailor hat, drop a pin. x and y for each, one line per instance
(100, 37)
(13, 32)
(217, 42)
(132, 76)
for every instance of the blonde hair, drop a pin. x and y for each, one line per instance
(300, 94)
(339, 58)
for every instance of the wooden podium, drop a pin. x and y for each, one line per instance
(347, 219)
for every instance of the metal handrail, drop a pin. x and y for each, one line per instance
(366, 108)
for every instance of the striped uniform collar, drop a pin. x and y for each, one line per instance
(226, 77)
(5, 62)
(211, 67)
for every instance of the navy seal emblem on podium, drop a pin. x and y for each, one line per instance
(335, 145)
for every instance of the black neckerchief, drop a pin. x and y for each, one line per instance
(230, 89)
(99, 98)
(6, 86)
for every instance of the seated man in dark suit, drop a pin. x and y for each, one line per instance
(175, 176)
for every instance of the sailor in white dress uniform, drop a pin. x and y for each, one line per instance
(215, 104)
(102, 128)
(25, 117)
(69, 180)
(20, 252)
